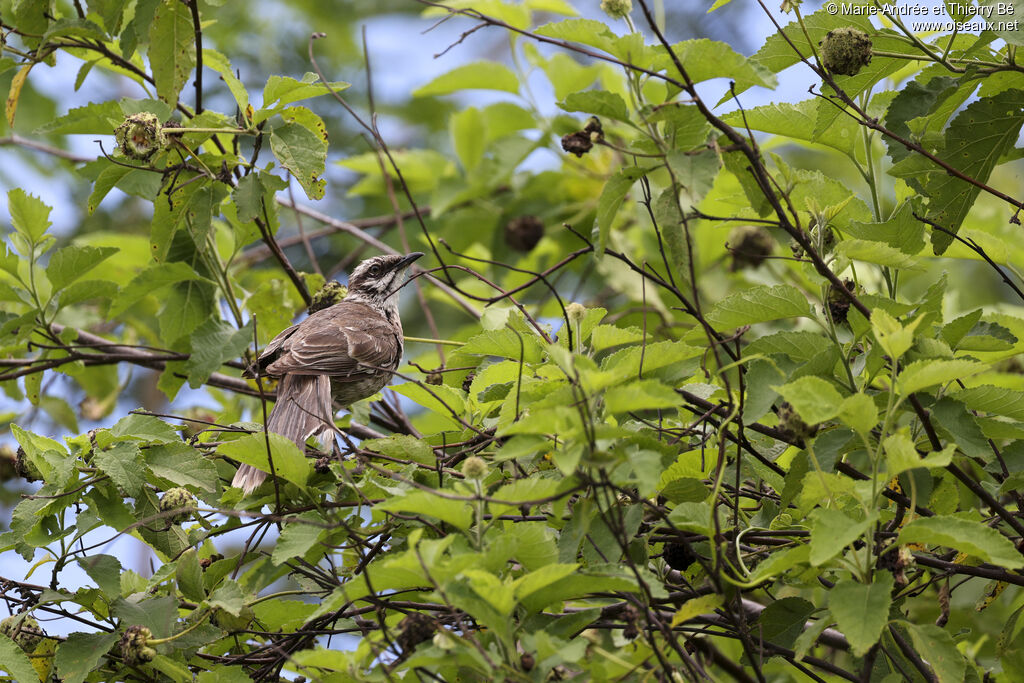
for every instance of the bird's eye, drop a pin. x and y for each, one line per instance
(374, 270)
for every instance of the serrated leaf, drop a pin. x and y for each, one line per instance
(228, 597)
(900, 454)
(695, 607)
(598, 102)
(404, 447)
(214, 343)
(123, 464)
(645, 394)
(877, 253)
(172, 54)
(189, 576)
(289, 462)
(458, 513)
(695, 172)
(784, 620)
(831, 532)
(105, 570)
(861, 610)
(611, 199)
(972, 538)
(859, 413)
(902, 231)
(586, 31)
(80, 653)
(145, 428)
(922, 374)
(297, 537)
(183, 465)
(30, 216)
(505, 343)
(940, 651)
(98, 118)
(15, 662)
(759, 304)
(975, 140)
(67, 264)
(705, 59)
(992, 399)
(796, 121)
(284, 90)
(303, 152)
(475, 76)
(813, 398)
(150, 281)
(219, 63)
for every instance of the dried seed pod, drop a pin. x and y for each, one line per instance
(522, 233)
(749, 245)
(331, 293)
(133, 645)
(178, 499)
(23, 630)
(140, 136)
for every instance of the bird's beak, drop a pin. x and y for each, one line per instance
(408, 260)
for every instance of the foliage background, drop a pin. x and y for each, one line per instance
(653, 503)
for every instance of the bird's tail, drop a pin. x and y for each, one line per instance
(303, 409)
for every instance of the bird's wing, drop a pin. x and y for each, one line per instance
(348, 339)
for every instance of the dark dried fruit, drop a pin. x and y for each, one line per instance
(467, 383)
(582, 141)
(838, 304)
(749, 245)
(792, 425)
(24, 466)
(845, 51)
(434, 378)
(322, 465)
(331, 293)
(678, 556)
(523, 232)
(527, 662)
(415, 628)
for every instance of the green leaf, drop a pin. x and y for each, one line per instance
(190, 210)
(759, 304)
(123, 464)
(183, 465)
(705, 59)
(861, 610)
(645, 394)
(284, 90)
(975, 140)
(505, 343)
(611, 199)
(900, 454)
(219, 63)
(814, 399)
(992, 399)
(80, 654)
(783, 621)
(466, 127)
(228, 597)
(29, 215)
(97, 118)
(172, 54)
(458, 513)
(15, 662)
(150, 280)
(796, 122)
(297, 537)
(695, 172)
(695, 607)
(105, 570)
(404, 447)
(832, 532)
(891, 335)
(939, 649)
(927, 373)
(214, 343)
(973, 538)
(189, 576)
(145, 428)
(303, 151)
(70, 263)
(877, 253)
(598, 102)
(586, 31)
(475, 76)
(914, 100)
(289, 462)
(902, 231)
(859, 413)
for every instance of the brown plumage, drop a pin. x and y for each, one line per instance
(341, 354)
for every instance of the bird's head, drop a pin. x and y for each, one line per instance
(376, 280)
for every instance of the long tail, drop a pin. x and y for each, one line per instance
(303, 409)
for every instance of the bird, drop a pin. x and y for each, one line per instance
(340, 354)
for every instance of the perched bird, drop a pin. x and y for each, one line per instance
(343, 353)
